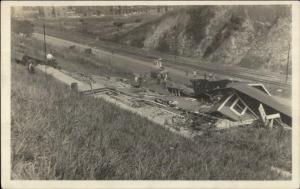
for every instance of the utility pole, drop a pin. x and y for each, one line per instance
(45, 41)
(45, 49)
(287, 66)
(175, 47)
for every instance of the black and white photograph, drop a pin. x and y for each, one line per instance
(157, 91)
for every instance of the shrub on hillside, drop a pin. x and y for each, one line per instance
(234, 24)
(137, 20)
(163, 45)
(22, 26)
(118, 24)
(138, 41)
(200, 18)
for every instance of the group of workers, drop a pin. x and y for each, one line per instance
(209, 76)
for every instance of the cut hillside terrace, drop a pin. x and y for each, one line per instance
(274, 79)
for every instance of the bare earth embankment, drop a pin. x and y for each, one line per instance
(56, 135)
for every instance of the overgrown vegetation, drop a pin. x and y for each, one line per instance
(252, 61)
(200, 18)
(234, 24)
(56, 135)
(22, 26)
(138, 41)
(118, 24)
(163, 45)
(104, 28)
(136, 36)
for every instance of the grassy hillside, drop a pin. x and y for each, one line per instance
(56, 135)
(104, 28)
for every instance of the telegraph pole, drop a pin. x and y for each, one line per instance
(45, 50)
(287, 66)
(45, 41)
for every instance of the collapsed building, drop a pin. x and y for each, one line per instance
(180, 90)
(238, 102)
(225, 101)
(204, 102)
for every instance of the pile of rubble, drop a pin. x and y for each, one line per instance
(210, 105)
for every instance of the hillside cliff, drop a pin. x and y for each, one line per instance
(250, 36)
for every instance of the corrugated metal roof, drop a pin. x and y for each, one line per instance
(262, 97)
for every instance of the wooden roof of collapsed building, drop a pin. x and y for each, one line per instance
(261, 96)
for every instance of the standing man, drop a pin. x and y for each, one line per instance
(160, 62)
(165, 79)
(49, 57)
(50, 60)
(195, 73)
(31, 67)
(210, 76)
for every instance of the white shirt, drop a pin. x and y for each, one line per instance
(49, 56)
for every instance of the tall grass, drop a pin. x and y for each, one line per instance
(57, 135)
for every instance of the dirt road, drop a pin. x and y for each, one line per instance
(129, 63)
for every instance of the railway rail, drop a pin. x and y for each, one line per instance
(242, 73)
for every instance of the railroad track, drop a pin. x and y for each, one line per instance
(242, 73)
(242, 76)
(246, 73)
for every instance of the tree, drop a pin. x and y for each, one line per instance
(118, 24)
(22, 26)
(83, 27)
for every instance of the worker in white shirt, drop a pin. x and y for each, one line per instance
(160, 62)
(51, 60)
(49, 56)
(195, 73)
(210, 75)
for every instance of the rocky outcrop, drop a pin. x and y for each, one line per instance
(250, 36)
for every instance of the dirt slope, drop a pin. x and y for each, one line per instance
(251, 36)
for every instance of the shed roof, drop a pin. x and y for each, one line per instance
(260, 96)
